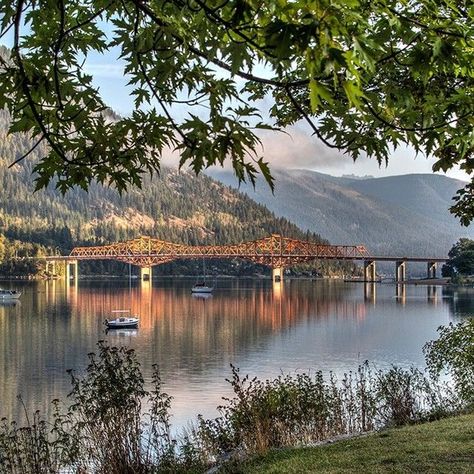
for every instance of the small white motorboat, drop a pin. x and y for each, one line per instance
(8, 295)
(122, 322)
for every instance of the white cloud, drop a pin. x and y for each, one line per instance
(299, 149)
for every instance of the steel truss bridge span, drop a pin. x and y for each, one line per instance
(274, 251)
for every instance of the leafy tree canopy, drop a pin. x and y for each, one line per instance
(461, 259)
(366, 75)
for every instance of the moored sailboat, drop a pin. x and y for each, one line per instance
(201, 286)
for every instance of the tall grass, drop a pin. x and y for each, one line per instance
(303, 409)
(39, 447)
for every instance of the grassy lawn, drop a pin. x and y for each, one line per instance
(445, 446)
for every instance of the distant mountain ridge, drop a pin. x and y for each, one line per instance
(398, 215)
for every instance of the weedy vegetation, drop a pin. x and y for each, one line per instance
(114, 424)
(105, 428)
(303, 409)
(453, 352)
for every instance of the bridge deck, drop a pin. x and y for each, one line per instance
(368, 258)
(274, 250)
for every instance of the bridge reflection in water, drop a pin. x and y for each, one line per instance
(274, 309)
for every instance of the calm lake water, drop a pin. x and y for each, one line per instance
(265, 330)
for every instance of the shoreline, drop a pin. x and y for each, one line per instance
(412, 281)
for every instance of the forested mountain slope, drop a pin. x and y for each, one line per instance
(179, 207)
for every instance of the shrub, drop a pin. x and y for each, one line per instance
(300, 409)
(453, 353)
(405, 396)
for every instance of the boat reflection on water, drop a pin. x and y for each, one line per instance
(201, 296)
(121, 332)
(9, 302)
(9, 295)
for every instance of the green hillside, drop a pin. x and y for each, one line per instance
(179, 207)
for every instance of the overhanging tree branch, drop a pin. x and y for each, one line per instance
(364, 79)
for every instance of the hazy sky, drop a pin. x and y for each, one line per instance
(297, 149)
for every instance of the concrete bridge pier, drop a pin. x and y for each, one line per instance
(400, 270)
(277, 274)
(369, 270)
(431, 269)
(146, 273)
(75, 270)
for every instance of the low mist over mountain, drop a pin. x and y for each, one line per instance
(398, 215)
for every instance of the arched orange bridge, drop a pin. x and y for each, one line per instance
(275, 251)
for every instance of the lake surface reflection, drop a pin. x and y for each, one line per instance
(264, 329)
